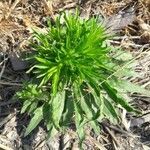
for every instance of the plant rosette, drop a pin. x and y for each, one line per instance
(77, 77)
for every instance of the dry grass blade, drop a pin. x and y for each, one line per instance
(125, 122)
(30, 25)
(68, 6)
(10, 83)
(7, 29)
(96, 143)
(7, 119)
(118, 130)
(115, 146)
(3, 67)
(48, 8)
(3, 147)
(12, 8)
(145, 31)
(113, 137)
(145, 147)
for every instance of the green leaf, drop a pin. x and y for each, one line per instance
(78, 122)
(55, 83)
(126, 73)
(41, 66)
(56, 80)
(133, 88)
(113, 95)
(90, 114)
(48, 75)
(123, 56)
(100, 103)
(47, 115)
(26, 104)
(68, 112)
(44, 61)
(52, 132)
(57, 104)
(107, 114)
(111, 109)
(32, 107)
(30, 69)
(36, 119)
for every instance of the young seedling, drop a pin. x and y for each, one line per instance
(76, 77)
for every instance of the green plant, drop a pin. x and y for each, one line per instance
(76, 77)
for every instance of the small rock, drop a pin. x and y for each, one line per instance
(17, 62)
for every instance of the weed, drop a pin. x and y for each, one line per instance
(76, 77)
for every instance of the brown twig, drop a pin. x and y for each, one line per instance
(113, 136)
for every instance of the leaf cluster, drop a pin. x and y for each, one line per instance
(77, 78)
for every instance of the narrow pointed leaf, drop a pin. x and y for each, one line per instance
(58, 103)
(38, 116)
(78, 122)
(133, 88)
(26, 104)
(110, 108)
(113, 95)
(90, 114)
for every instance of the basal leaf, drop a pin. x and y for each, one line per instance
(47, 116)
(111, 109)
(35, 120)
(133, 88)
(52, 132)
(57, 104)
(90, 114)
(100, 103)
(68, 112)
(113, 95)
(26, 104)
(32, 107)
(107, 114)
(79, 121)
